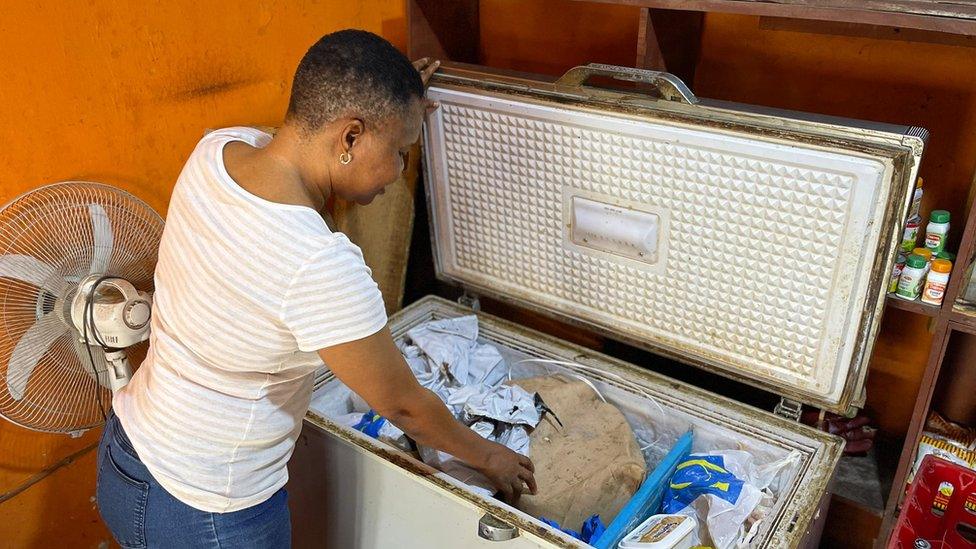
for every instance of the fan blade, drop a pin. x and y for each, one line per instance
(32, 271)
(104, 240)
(29, 350)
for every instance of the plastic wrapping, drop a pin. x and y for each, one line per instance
(657, 421)
(375, 426)
(727, 492)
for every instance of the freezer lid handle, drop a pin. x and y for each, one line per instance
(669, 86)
(493, 529)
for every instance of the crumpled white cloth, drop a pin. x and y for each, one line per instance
(508, 404)
(447, 358)
(445, 354)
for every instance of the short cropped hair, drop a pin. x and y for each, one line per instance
(352, 73)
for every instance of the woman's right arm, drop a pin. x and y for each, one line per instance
(374, 368)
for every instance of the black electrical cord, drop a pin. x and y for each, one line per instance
(89, 319)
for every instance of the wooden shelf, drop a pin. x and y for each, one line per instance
(963, 320)
(951, 318)
(932, 15)
(914, 306)
(964, 310)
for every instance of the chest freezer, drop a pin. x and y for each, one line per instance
(748, 242)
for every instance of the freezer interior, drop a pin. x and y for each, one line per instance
(659, 411)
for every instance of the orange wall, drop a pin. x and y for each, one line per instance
(897, 81)
(120, 91)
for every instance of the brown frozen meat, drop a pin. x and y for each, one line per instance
(590, 465)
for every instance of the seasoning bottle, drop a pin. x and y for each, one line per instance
(926, 254)
(916, 199)
(936, 282)
(946, 255)
(935, 232)
(896, 272)
(910, 237)
(912, 277)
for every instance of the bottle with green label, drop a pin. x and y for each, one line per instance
(936, 231)
(912, 278)
(910, 237)
(896, 272)
(916, 199)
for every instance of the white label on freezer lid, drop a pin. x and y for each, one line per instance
(763, 249)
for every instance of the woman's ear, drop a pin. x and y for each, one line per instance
(352, 131)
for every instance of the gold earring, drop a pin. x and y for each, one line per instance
(345, 158)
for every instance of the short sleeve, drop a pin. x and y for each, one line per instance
(333, 298)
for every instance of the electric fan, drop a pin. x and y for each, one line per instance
(76, 278)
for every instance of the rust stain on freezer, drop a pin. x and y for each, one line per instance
(393, 456)
(712, 118)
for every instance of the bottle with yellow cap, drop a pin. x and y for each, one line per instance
(936, 282)
(925, 253)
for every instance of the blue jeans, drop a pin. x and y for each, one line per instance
(141, 514)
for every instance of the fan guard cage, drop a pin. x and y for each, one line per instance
(54, 225)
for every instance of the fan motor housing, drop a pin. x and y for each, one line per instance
(119, 317)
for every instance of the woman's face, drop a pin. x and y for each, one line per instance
(379, 153)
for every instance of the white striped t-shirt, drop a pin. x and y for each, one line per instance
(246, 291)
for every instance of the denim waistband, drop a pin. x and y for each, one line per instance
(119, 436)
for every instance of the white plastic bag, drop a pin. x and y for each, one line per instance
(729, 515)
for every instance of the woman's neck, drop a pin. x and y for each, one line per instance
(274, 172)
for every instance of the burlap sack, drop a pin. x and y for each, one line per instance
(591, 465)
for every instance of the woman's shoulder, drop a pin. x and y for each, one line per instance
(248, 134)
(333, 243)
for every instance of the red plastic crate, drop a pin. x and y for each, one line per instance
(955, 528)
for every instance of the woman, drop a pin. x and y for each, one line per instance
(253, 293)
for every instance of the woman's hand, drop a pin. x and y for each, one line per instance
(426, 68)
(510, 472)
(374, 368)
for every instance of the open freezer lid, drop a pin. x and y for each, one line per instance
(752, 243)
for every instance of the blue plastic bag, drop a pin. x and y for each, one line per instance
(647, 500)
(698, 475)
(370, 424)
(592, 528)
